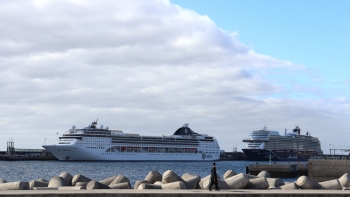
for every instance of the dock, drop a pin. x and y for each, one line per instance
(279, 170)
(14, 154)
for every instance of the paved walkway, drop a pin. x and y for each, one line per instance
(175, 193)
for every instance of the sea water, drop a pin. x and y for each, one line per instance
(98, 170)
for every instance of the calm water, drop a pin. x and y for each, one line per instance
(29, 170)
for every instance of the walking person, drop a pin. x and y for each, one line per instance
(213, 178)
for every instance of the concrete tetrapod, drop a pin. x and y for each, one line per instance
(96, 185)
(42, 179)
(71, 188)
(120, 179)
(153, 176)
(138, 182)
(67, 178)
(35, 183)
(14, 186)
(275, 182)
(79, 178)
(2, 180)
(238, 181)
(188, 175)
(222, 184)
(332, 184)
(192, 182)
(264, 174)
(229, 173)
(170, 176)
(200, 184)
(149, 186)
(345, 180)
(174, 185)
(289, 186)
(57, 181)
(125, 185)
(81, 184)
(305, 183)
(108, 180)
(257, 183)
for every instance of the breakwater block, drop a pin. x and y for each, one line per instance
(332, 184)
(125, 185)
(108, 180)
(14, 186)
(153, 176)
(289, 186)
(170, 176)
(81, 184)
(188, 175)
(238, 181)
(149, 186)
(257, 183)
(42, 179)
(138, 182)
(345, 180)
(120, 179)
(67, 178)
(222, 184)
(305, 182)
(200, 184)
(79, 178)
(174, 185)
(264, 174)
(192, 182)
(96, 185)
(229, 173)
(275, 182)
(2, 180)
(57, 181)
(35, 183)
(71, 188)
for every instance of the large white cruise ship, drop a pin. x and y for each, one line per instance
(101, 144)
(264, 145)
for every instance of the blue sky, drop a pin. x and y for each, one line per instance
(310, 33)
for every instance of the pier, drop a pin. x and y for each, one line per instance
(14, 154)
(279, 170)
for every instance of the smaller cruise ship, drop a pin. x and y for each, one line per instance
(265, 145)
(102, 144)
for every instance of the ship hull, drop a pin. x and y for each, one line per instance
(265, 155)
(76, 153)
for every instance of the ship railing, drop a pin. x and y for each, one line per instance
(255, 140)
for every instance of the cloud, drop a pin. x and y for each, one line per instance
(141, 66)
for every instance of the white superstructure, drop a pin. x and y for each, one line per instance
(97, 144)
(272, 140)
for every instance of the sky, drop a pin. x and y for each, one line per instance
(147, 67)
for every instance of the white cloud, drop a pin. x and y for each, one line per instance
(141, 66)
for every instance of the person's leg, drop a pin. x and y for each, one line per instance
(211, 183)
(216, 185)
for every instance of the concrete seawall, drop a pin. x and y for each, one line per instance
(178, 193)
(327, 169)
